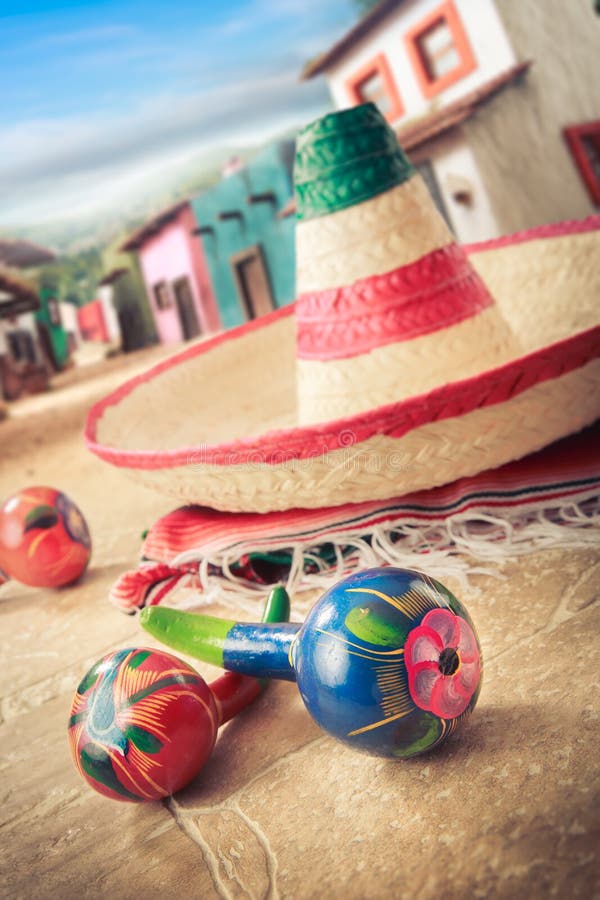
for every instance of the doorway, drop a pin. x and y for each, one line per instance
(252, 282)
(186, 308)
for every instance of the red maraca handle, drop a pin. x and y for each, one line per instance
(233, 692)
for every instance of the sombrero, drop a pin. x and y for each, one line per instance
(406, 362)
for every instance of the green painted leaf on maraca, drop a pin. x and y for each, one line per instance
(138, 659)
(377, 624)
(416, 734)
(40, 517)
(96, 763)
(142, 739)
(90, 679)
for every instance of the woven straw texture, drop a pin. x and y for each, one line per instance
(459, 342)
(345, 158)
(372, 238)
(181, 406)
(344, 387)
(204, 406)
(550, 288)
(383, 466)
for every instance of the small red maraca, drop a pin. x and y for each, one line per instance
(143, 722)
(44, 539)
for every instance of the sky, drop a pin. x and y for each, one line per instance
(100, 97)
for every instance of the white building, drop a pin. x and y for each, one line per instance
(23, 366)
(495, 101)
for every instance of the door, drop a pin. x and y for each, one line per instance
(186, 308)
(252, 281)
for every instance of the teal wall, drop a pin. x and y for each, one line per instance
(270, 171)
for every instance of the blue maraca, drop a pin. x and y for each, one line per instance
(387, 660)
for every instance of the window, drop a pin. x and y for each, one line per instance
(54, 311)
(161, 295)
(439, 50)
(584, 144)
(374, 83)
(21, 345)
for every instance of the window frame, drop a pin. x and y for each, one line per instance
(378, 65)
(444, 12)
(158, 288)
(573, 135)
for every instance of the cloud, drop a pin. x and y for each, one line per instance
(59, 165)
(235, 79)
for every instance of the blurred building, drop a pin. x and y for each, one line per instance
(495, 101)
(225, 256)
(68, 315)
(123, 288)
(97, 322)
(247, 239)
(24, 367)
(51, 329)
(174, 270)
(33, 342)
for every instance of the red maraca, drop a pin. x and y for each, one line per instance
(143, 722)
(44, 539)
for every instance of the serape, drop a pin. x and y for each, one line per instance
(550, 498)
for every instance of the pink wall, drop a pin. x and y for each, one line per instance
(171, 254)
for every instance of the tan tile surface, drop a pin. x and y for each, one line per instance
(509, 808)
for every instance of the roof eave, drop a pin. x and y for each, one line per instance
(356, 33)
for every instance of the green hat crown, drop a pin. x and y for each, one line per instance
(344, 158)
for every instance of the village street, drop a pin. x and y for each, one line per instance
(281, 810)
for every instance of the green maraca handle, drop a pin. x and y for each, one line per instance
(260, 649)
(232, 691)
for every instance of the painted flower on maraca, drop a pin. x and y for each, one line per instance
(44, 539)
(443, 663)
(142, 725)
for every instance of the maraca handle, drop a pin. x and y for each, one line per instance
(233, 691)
(261, 650)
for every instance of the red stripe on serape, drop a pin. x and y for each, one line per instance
(433, 293)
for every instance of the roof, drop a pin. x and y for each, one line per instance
(113, 276)
(415, 134)
(23, 254)
(430, 126)
(358, 31)
(153, 226)
(16, 295)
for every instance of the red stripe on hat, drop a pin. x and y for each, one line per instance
(431, 294)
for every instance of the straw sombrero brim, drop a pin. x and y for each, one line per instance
(216, 424)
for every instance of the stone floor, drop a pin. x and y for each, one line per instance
(508, 808)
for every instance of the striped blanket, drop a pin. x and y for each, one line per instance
(551, 498)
